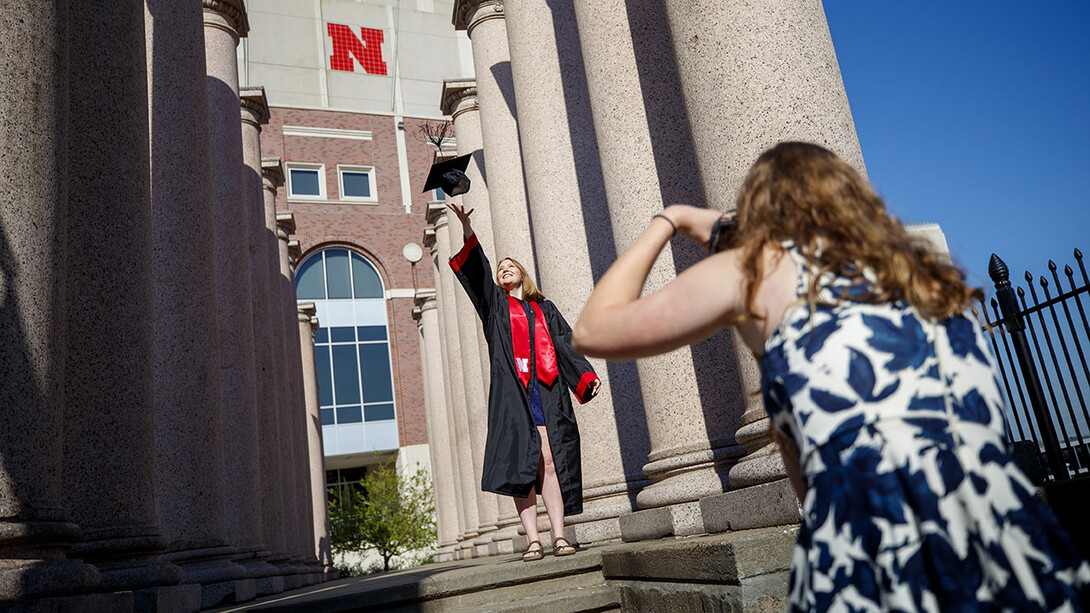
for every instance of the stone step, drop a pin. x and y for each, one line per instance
(593, 599)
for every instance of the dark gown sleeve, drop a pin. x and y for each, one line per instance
(576, 371)
(471, 267)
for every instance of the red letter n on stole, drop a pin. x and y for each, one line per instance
(368, 52)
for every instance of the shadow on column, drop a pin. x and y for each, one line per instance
(624, 379)
(715, 368)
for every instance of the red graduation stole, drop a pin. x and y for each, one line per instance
(520, 343)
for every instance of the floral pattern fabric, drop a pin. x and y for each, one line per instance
(913, 502)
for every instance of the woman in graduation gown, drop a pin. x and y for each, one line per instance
(532, 445)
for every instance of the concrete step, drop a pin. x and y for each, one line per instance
(595, 599)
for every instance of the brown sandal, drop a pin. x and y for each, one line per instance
(566, 549)
(533, 554)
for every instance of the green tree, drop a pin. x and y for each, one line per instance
(389, 513)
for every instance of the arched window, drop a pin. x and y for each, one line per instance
(352, 350)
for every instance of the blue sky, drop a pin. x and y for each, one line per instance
(975, 115)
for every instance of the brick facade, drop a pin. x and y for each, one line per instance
(378, 231)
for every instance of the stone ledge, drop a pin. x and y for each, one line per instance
(759, 506)
(118, 602)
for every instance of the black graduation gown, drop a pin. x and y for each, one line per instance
(513, 447)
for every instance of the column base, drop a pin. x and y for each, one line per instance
(206, 565)
(675, 520)
(39, 579)
(760, 506)
(228, 592)
(120, 602)
(598, 531)
(267, 586)
(127, 558)
(169, 599)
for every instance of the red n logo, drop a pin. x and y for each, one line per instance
(368, 52)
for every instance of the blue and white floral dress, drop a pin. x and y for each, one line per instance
(913, 500)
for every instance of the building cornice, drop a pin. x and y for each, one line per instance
(459, 96)
(272, 173)
(255, 106)
(231, 10)
(285, 224)
(468, 14)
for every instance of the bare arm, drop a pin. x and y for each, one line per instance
(617, 324)
(463, 217)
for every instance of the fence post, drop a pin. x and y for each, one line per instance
(1016, 327)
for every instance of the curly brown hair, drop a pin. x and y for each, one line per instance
(804, 193)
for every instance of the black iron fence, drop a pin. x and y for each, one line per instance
(1040, 342)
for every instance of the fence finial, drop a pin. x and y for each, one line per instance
(998, 271)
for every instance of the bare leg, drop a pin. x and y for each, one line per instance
(527, 510)
(550, 487)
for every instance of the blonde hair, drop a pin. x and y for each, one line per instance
(805, 193)
(529, 289)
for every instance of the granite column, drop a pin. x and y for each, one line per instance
(483, 21)
(308, 325)
(109, 437)
(574, 240)
(202, 523)
(692, 396)
(459, 103)
(242, 450)
(444, 348)
(294, 413)
(35, 531)
(767, 73)
(427, 316)
(272, 432)
(469, 475)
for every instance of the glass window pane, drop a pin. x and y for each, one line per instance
(349, 415)
(325, 376)
(368, 283)
(440, 195)
(372, 333)
(379, 412)
(346, 374)
(327, 417)
(336, 263)
(305, 182)
(375, 368)
(310, 279)
(322, 335)
(356, 184)
(342, 335)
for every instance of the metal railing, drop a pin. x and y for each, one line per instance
(1040, 345)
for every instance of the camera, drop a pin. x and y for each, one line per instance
(723, 234)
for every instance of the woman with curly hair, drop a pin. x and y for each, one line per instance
(879, 386)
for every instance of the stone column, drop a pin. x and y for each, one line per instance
(468, 473)
(244, 504)
(35, 531)
(109, 438)
(459, 103)
(195, 525)
(272, 432)
(294, 414)
(308, 324)
(766, 73)
(448, 392)
(692, 397)
(483, 21)
(574, 240)
(427, 317)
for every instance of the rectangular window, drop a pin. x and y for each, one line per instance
(349, 415)
(375, 368)
(378, 412)
(306, 180)
(372, 333)
(346, 375)
(342, 335)
(357, 183)
(325, 375)
(440, 195)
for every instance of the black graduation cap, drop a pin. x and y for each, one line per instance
(450, 176)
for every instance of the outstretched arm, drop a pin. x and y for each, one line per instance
(617, 324)
(471, 267)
